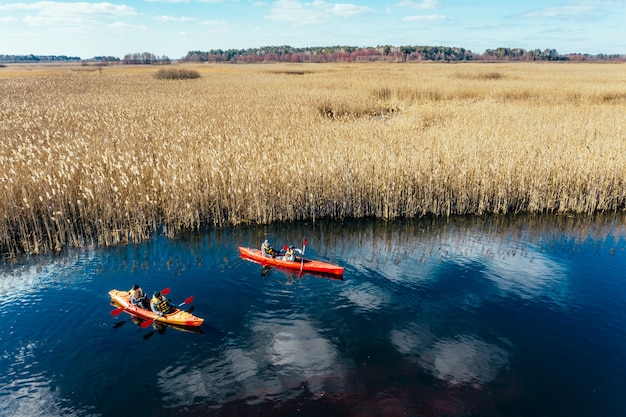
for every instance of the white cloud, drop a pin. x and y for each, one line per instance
(424, 18)
(339, 9)
(561, 11)
(166, 19)
(216, 26)
(183, 1)
(317, 11)
(424, 4)
(122, 25)
(59, 13)
(54, 8)
(213, 23)
(167, 1)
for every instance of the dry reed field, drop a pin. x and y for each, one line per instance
(101, 157)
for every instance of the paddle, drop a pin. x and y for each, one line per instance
(117, 311)
(302, 256)
(187, 301)
(150, 321)
(265, 269)
(119, 323)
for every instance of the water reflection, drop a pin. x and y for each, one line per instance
(20, 280)
(366, 296)
(530, 275)
(277, 358)
(465, 359)
(383, 243)
(439, 317)
(28, 392)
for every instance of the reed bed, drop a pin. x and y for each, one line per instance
(109, 157)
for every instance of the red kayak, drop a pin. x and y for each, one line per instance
(306, 265)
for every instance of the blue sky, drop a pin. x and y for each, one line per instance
(174, 27)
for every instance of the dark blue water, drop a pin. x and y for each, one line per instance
(516, 316)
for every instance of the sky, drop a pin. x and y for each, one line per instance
(174, 27)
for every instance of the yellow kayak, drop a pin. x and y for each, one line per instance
(178, 317)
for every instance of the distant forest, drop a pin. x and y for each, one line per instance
(385, 53)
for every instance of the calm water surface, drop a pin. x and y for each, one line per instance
(516, 316)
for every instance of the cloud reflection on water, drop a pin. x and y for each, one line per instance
(529, 276)
(29, 393)
(464, 359)
(278, 359)
(366, 296)
(19, 281)
(298, 348)
(516, 268)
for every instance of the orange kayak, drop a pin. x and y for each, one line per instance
(307, 265)
(178, 317)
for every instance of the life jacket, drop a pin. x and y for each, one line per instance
(267, 249)
(161, 304)
(290, 255)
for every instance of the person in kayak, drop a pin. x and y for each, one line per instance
(160, 305)
(290, 255)
(267, 249)
(138, 297)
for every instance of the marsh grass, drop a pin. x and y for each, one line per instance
(176, 74)
(103, 158)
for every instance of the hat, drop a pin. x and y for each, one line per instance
(157, 294)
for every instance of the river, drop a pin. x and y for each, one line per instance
(488, 316)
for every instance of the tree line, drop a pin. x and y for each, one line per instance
(385, 53)
(37, 58)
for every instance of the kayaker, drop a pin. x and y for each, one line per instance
(160, 305)
(290, 255)
(267, 249)
(138, 297)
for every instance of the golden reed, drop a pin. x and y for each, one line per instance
(100, 157)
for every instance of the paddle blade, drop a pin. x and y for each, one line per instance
(165, 291)
(146, 324)
(187, 301)
(117, 311)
